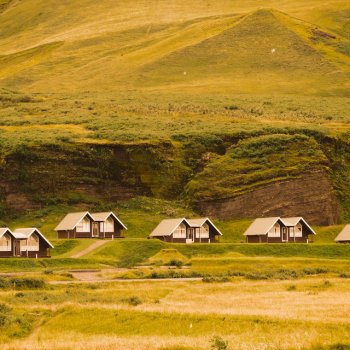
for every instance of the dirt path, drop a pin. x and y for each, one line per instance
(90, 248)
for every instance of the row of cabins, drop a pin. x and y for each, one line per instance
(30, 242)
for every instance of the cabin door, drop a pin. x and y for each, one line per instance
(17, 248)
(284, 234)
(95, 229)
(190, 235)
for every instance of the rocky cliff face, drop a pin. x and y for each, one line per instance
(34, 177)
(311, 195)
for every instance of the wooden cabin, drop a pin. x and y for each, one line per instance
(6, 242)
(344, 235)
(24, 242)
(279, 230)
(182, 230)
(107, 225)
(86, 225)
(75, 225)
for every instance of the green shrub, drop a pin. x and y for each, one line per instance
(26, 283)
(217, 343)
(134, 301)
(177, 263)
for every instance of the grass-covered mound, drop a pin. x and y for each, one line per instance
(168, 256)
(254, 162)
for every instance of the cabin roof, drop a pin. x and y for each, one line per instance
(344, 234)
(25, 233)
(71, 220)
(295, 220)
(261, 226)
(199, 222)
(167, 227)
(3, 230)
(100, 217)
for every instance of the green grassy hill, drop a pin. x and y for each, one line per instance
(228, 47)
(204, 104)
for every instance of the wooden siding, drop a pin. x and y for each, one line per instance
(265, 239)
(42, 252)
(211, 239)
(72, 234)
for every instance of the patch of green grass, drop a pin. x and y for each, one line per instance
(254, 162)
(127, 253)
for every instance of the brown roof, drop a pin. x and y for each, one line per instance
(25, 233)
(344, 234)
(104, 216)
(167, 227)
(71, 220)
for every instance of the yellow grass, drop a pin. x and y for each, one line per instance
(273, 314)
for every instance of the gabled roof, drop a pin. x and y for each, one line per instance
(4, 230)
(261, 226)
(104, 216)
(25, 233)
(293, 221)
(71, 220)
(199, 222)
(167, 227)
(344, 234)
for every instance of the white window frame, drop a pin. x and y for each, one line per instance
(107, 226)
(8, 240)
(298, 230)
(180, 231)
(275, 231)
(203, 231)
(31, 244)
(84, 225)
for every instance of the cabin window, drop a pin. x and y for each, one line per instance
(30, 244)
(203, 231)
(275, 231)
(298, 230)
(5, 243)
(83, 226)
(107, 226)
(180, 231)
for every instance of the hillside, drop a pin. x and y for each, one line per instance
(232, 48)
(234, 110)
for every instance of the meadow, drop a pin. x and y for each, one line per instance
(149, 109)
(305, 314)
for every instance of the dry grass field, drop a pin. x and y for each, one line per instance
(298, 314)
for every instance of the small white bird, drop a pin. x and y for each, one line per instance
(185, 73)
(273, 50)
(190, 325)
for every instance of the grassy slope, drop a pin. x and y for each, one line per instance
(102, 53)
(254, 162)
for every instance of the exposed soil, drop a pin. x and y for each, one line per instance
(310, 196)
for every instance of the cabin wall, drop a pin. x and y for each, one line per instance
(117, 233)
(66, 234)
(6, 254)
(43, 252)
(266, 239)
